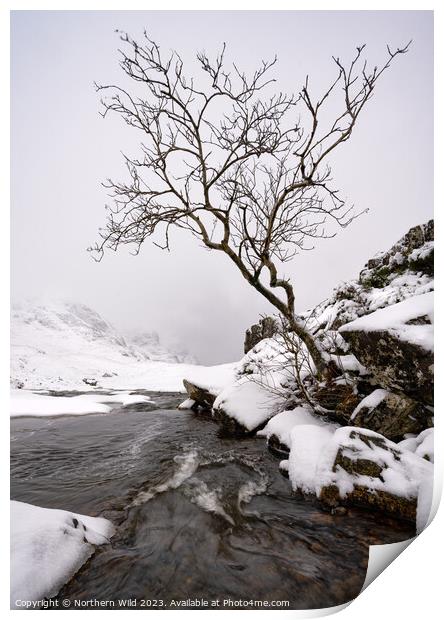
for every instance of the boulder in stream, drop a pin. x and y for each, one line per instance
(202, 398)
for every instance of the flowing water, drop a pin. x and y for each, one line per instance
(198, 515)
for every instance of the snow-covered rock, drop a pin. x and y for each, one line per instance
(278, 429)
(204, 383)
(267, 327)
(244, 406)
(244, 395)
(356, 466)
(392, 415)
(414, 251)
(422, 444)
(202, 398)
(396, 345)
(403, 271)
(48, 547)
(264, 379)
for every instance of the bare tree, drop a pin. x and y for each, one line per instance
(245, 172)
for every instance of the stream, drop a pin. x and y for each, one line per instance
(199, 516)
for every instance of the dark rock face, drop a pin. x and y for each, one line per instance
(92, 382)
(393, 505)
(203, 399)
(394, 416)
(338, 400)
(395, 364)
(401, 507)
(266, 328)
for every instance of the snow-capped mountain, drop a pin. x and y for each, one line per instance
(149, 344)
(64, 345)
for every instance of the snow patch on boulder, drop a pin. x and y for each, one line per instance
(397, 320)
(282, 424)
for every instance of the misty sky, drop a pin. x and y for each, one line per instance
(62, 150)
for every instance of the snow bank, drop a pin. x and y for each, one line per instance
(48, 547)
(395, 318)
(26, 403)
(282, 424)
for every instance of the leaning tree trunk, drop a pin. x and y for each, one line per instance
(322, 367)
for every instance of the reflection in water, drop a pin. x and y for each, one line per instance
(197, 515)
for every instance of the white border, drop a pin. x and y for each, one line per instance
(410, 587)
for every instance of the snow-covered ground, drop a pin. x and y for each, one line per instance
(27, 403)
(48, 547)
(155, 376)
(58, 345)
(65, 346)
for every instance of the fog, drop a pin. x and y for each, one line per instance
(62, 150)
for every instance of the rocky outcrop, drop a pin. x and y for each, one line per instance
(403, 271)
(203, 399)
(266, 328)
(414, 252)
(395, 344)
(391, 415)
(395, 364)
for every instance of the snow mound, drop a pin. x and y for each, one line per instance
(48, 547)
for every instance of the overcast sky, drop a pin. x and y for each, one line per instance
(62, 150)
